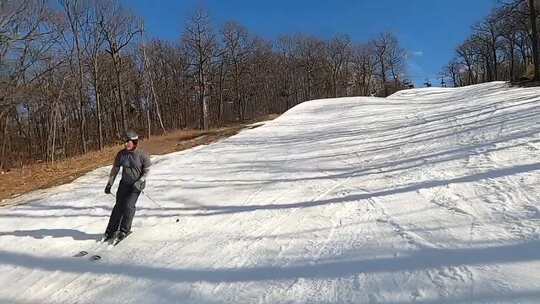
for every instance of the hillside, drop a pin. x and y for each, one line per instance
(427, 196)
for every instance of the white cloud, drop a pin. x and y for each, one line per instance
(418, 53)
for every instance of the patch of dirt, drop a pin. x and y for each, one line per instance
(45, 175)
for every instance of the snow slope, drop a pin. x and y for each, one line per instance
(428, 196)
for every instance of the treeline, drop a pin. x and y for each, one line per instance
(75, 74)
(503, 46)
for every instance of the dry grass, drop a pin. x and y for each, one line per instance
(41, 176)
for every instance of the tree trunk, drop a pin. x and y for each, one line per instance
(384, 78)
(53, 144)
(534, 39)
(238, 96)
(148, 120)
(98, 103)
(158, 111)
(494, 53)
(335, 83)
(117, 66)
(152, 87)
(4, 143)
(512, 77)
(221, 99)
(80, 80)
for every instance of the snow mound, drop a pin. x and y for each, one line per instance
(430, 195)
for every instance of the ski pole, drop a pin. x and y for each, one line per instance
(157, 204)
(153, 201)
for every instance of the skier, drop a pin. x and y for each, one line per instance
(135, 165)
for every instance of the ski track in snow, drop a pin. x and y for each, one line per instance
(427, 196)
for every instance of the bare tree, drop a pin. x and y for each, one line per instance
(452, 70)
(200, 43)
(77, 17)
(94, 40)
(238, 47)
(397, 59)
(534, 38)
(510, 26)
(310, 53)
(364, 67)
(119, 28)
(286, 78)
(338, 52)
(488, 33)
(390, 58)
(152, 87)
(25, 39)
(525, 13)
(466, 53)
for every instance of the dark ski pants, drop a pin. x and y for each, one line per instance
(124, 209)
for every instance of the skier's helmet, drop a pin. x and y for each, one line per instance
(131, 135)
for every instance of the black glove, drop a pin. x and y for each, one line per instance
(140, 184)
(108, 189)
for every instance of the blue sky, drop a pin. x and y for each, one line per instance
(429, 29)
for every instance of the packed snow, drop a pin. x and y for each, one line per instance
(427, 196)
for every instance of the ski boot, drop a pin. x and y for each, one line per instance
(121, 236)
(107, 237)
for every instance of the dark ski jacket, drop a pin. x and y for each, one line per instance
(135, 165)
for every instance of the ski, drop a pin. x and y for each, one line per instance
(97, 255)
(118, 240)
(81, 254)
(99, 246)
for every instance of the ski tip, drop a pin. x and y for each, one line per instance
(95, 257)
(81, 253)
